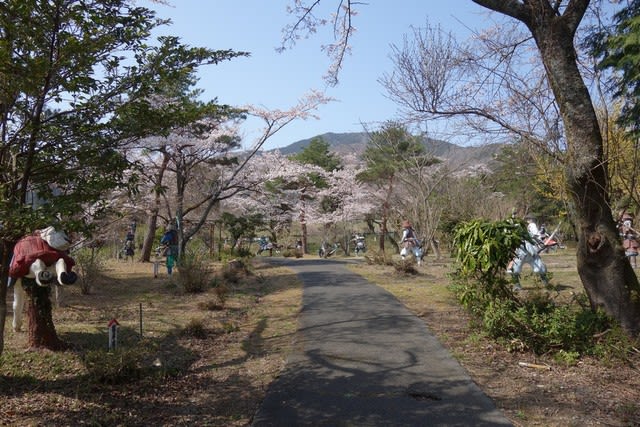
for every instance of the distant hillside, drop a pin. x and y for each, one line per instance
(355, 142)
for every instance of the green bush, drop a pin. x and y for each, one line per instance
(523, 322)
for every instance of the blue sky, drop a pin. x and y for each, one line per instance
(278, 80)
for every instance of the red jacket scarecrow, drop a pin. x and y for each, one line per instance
(31, 248)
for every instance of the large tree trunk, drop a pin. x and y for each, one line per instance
(606, 274)
(42, 332)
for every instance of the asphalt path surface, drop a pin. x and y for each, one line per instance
(360, 358)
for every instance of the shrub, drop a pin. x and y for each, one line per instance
(288, 253)
(116, 367)
(195, 271)
(211, 305)
(379, 258)
(234, 271)
(221, 290)
(406, 266)
(195, 329)
(90, 263)
(531, 321)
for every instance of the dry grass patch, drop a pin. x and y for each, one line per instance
(193, 365)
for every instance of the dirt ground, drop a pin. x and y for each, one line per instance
(543, 392)
(218, 377)
(214, 374)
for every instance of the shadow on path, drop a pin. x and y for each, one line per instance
(360, 358)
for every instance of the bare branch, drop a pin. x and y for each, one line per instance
(307, 23)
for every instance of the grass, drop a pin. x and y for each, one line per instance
(192, 365)
(206, 363)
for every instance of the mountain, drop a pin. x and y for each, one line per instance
(467, 158)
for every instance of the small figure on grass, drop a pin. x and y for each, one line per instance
(169, 241)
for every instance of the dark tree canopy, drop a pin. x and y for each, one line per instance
(80, 82)
(318, 153)
(619, 50)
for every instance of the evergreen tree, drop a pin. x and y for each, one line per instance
(390, 152)
(79, 84)
(317, 153)
(619, 50)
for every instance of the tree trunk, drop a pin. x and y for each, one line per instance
(303, 222)
(42, 332)
(152, 223)
(606, 274)
(149, 238)
(4, 276)
(383, 232)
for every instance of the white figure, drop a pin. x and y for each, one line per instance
(528, 253)
(410, 243)
(42, 257)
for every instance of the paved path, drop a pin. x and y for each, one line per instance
(360, 358)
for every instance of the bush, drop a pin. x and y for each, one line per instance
(116, 367)
(221, 290)
(524, 322)
(90, 263)
(195, 329)
(195, 271)
(406, 266)
(379, 258)
(234, 271)
(292, 252)
(211, 305)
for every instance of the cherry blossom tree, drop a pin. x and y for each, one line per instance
(347, 200)
(278, 207)
(552, 27)
(209, 165)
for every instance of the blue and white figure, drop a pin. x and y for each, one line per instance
(410, 243)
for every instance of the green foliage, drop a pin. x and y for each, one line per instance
(484, 249)
(317, 153)
(619, 49)
(531, 321)
(390, 151)
(242, 226)
(568, 358)
(540, 325)
(78, 78)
